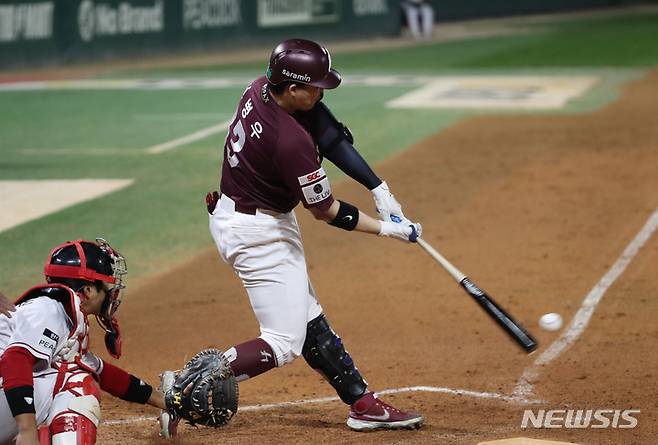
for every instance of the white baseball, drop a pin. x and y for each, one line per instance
(551, 321)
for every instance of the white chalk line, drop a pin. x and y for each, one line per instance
(81, 151)
(153, 150)
(433, 389)
(580, 320)
(188, 139)
(177, 117)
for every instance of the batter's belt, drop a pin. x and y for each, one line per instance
(229, 205)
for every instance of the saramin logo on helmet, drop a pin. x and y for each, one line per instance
(295, 76)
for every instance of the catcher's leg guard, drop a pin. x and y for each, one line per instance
(44, 435)
(324, 352)
(72, 429)
(75, 412)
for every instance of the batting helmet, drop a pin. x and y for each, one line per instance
(302, 61)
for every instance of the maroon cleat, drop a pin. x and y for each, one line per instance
(370, 413)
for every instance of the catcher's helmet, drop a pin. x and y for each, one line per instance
(84, 260)
(89, 261)
(302, 61)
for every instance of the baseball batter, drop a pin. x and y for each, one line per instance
(48, 377)
(272, 162)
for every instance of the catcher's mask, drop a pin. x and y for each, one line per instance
(91, 262)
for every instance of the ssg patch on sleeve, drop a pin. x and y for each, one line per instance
(312, 177)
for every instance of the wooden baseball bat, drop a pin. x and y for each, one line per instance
(504, 320)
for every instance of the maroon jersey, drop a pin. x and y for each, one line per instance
(270, 160)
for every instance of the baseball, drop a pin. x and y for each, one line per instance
(551, 321)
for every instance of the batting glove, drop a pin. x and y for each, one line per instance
(388, 208)
(405, 232)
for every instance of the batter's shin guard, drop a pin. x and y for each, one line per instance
(324, 351)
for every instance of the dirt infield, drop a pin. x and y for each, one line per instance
(535, 209)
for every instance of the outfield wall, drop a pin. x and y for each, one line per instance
(41, 32)
(464, 9)
(35, 32)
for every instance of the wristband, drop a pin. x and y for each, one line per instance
(138, 391)
(20, 400)
(347, 217)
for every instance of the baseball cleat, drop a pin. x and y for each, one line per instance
(371, 413)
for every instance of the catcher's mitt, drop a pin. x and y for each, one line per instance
(204, 391)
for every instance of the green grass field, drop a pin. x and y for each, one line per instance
(161, 220)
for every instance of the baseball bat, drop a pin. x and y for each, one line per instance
(504, 320)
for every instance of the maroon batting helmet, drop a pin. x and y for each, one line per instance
(302, 61)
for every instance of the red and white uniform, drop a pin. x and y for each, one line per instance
(49, 326)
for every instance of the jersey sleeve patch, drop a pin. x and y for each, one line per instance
(311, 177)
(317, 192)
(41, 327)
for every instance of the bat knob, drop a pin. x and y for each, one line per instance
(414, 234)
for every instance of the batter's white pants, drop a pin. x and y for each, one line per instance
(266, 252)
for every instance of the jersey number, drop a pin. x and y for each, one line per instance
(235, 146)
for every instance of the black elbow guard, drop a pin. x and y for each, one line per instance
(347, 217)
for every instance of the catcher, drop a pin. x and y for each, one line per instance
(49, 380)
